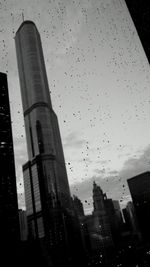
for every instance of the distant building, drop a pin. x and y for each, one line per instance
(92, 232)
(98, 230)
(140, 13)
(23, 225)
(79, 212)
(118, 212)
(130, 217)
(9, 220)
(115, 218)
(101, 218)
(139, 187)
(78, 206)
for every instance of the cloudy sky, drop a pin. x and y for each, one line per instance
(99, 82)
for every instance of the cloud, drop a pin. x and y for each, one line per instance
(73, 141)
(84, 189)
(114, 172)
(86, 159)
(102, 162)
(134, 166)
(112, 186)
(115, 184)
(125, 200)
(99, 171)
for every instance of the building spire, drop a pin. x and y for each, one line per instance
(22, 16)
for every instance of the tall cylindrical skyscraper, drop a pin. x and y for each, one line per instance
(47, 192)
(41, 125)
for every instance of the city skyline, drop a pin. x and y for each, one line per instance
(98, 141)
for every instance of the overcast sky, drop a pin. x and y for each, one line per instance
(99, 83)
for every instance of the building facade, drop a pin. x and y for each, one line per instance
(23, 225)
(101, 218)
(9, 220)
(139, 187)
(139, 11)
(78, 206)
(115, 218)
(130, 218)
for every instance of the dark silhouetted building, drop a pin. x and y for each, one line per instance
(101, 221)
(130, 217)
(79, 212)
(139, 187)
(98, 229)
(23, 225)
(48, 201)
(78, 206)
(118, 213)
(9, 220)
(140, 13)
(99, 212)
(115, 218)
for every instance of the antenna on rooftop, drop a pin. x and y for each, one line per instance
(22, 17)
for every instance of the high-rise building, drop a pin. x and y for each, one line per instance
(42, 130)
(23, 225)
(101, 218)
(130, 217)
(140, 11)
(139, 187)
(47, 193)
(9, 220)
(118, 212)
(115, 218)
(78, 206)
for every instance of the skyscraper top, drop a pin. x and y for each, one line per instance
(31, 65)
(96, 188)
(26, 22)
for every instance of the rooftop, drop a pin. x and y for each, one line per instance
(25, 23)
